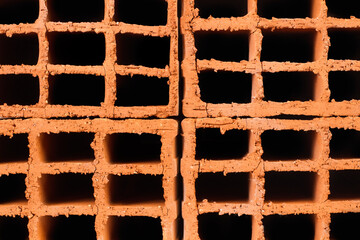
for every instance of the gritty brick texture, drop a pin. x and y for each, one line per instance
(259, 175)
(256, 58)
(97, 62)
(91, 187)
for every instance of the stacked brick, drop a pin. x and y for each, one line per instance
(291, 170)
(98, 178)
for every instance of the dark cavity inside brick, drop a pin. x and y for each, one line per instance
(14, 228)
(343, 9)
(148, 51)
(345, 44)
(18, 11)
(66, 188)
(289, 86)
(133, 148)
(221, 9)
(224, 46)
(293, 46)
(135, 189)
(284, 8)
(212, 145)
(142, 12)
(296, 227)
(76, 48)
(19, 49)
(68, 227)
(345, 226)
(215, 187)
(139, 90)
(289, 186)
(21, 89)
(344, 143)
(12, 188)
(344, 184)
(66, 147)
(14, 149)
(225, 87)
(287, 144)
(213, 226)
(135, 227)
(76, 90)
(344, 86)
(75, 11)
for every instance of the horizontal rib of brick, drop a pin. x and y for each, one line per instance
(100, 168)
(253, 164)
(321, 106)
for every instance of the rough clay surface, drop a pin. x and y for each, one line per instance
(34, 207)
(321, 65)
(109, 69)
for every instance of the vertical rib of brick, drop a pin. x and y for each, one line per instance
(32, 185)
(110, 57)
(99, 182)
(43, 53)
(172, 21)
(255, 43)
(257, 185)
(170, 170)
(322, 43)
(321, 154)
(189, 171)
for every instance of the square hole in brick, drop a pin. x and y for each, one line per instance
(213, 226)
(344, 144)
(133, 148)
(284, 8)
(14, 148)
(293, 46)
(19, 49)
(221, 9)
(223, 46)
(75, 11)
(18, 11)
(288, 145)
(289, 186)
(12, 188)
(135, 189)
(344, 184)
(14, 228)
(67, 147)
(135, 227)
(149, 51)
(225, 87)
(345, 44)
(343, 9)
(76, 90)
(68, 227)
(21, 89)
(296, 227)
(213, 145)
(289, 86)
(345, 226)
(67, 188)
(139, 90)
(344, 86)
(151, 12)
(216, 187)
(76, 48)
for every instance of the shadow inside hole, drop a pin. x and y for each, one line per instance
(19, 49)
(14, 228)
(225, 87)
(343, 9)
(76, 90)
(344, 143)
(221, 9)
(345, 226)
(14, 149)
(12, 188)
(215, 187)
(344, 86)
(18, 11)
(344, 184)
(151, 12)
(345, 44)
(284, 8)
